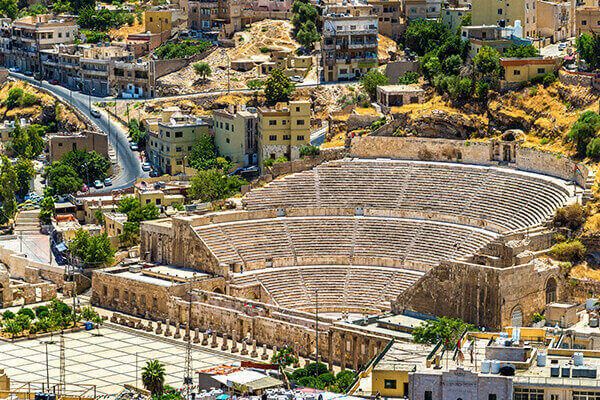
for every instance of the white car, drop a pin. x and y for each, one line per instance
(95, 113)
(146, 166)
(297, 78)
(562, 46)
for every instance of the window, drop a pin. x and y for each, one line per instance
(297, 109)
(428, 395)
(300, 137)
(287, 137)
(300, 122)
(178, 149)
(492, 396)
(104, 290)
(584, 22)
(389, 383)
(178, 134)
(516, 72)
(168, 134)
(499, 11)
(534, 394)
(227, 140)
(272, 122)
(541, 70)
(272, 138)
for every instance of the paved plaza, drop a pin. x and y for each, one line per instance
(108, 361)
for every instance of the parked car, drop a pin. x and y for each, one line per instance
(133, 146)
(29, 73)
(15, 69)
(146, 166)
(108, 182)
(95, 113)
(98, 184)
(562, 46)
(53, 81)
(154, 174)
(297, 78)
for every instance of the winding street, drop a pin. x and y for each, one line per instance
(129, 164)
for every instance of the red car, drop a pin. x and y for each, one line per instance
(53, 82)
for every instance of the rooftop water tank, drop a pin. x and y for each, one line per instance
(577, 358)
(495, 367)
(485, 366)
(541, 359)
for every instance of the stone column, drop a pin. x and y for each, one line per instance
(343, 351)
(149, 328)
(264, 355)
(244, 348)
(168, 328)
(186, 336)
(234, 344)
(214, 343)
(254, 353)
(331, 351)
(225, 345)
(177, 332)
(158, 328)
(355, 351)
(197, 336)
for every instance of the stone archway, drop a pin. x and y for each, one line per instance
(516, 317)
(551, 290)
(217, 290)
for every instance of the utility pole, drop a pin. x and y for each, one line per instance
(317, 327)
(187, 378)
(63, 383)
(47, 368)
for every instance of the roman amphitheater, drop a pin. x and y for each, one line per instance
(393, 226)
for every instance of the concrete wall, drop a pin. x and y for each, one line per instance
(306, 163)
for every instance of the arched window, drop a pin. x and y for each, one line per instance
(551, 290)
(516, 317)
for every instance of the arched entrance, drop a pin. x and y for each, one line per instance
(516, 317)
(551, 290)
(217, 290)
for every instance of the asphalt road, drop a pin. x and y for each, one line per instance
(129, 164)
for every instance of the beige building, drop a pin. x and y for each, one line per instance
(518, 70)
(283, 129)
(235, 132)
(61, 143)
(422, 9)
(554, 19)
(587, 19)
(506, 12)
(453, 16)
(33, 33)
(486, 35)
(172, 141)
(399, 95)
(349, 44)
(389, 12)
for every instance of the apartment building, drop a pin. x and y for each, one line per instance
(235, 131)
(29, 35)
(587, 19)
(422, 9)
(349, 43)
(132, 79)
(173, 138)
(220, 17)
(506, 12)
(61, 143)
(283, 129)
(453, 16)
(554, 19)
(389, 12)
(490, 36)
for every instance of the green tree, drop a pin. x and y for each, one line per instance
(27, 311)
(203, 70)
(409, 78)
(371, 80)
(137, 133)
(47, 210)
(521, 51)
(573, 251)
(9, 8)
(42, 311)
(131, 234)
(8, 187)
(153, 377)
(203, 153)
(445, 329)
(183, 49)
(255, 84)
(62, 179)
(309, 151)
(278, 87)
(13, 98)
(423, 36)
(308, 35)
(588, 47)
(89, 165)
(25, 173)
(27, 142)
(92, 251)
(212, 185)
(284, 357)
(487, 62)
(583, 131)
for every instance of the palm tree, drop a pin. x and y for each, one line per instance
(202, 69)
(153, 376)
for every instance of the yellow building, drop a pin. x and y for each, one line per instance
(283, 129)
(157, 21)
(158, 197)
(172, 140)
(587, 19)
(113, 226)
(235, 134)
(518, 70)
(495, 12)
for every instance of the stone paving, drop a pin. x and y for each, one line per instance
(108, 361)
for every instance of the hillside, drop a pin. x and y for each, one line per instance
(253, 43)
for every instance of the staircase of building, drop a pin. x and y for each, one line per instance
(27, 222)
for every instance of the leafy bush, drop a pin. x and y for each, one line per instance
(269, 162)
(571, 216)
(371, 80)
(408, 78)
(26, 311)
(445, 329)
(309, 151)
(42, 311)
(104, 19)
(95, 36)
(6, 315)
(584, 130)
(255, 84)
(537, 317)
(184, 49)
(573, 251)
(593, 149)
(264, 50)
(213, 184)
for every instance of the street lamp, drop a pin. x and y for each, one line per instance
(92, 90)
